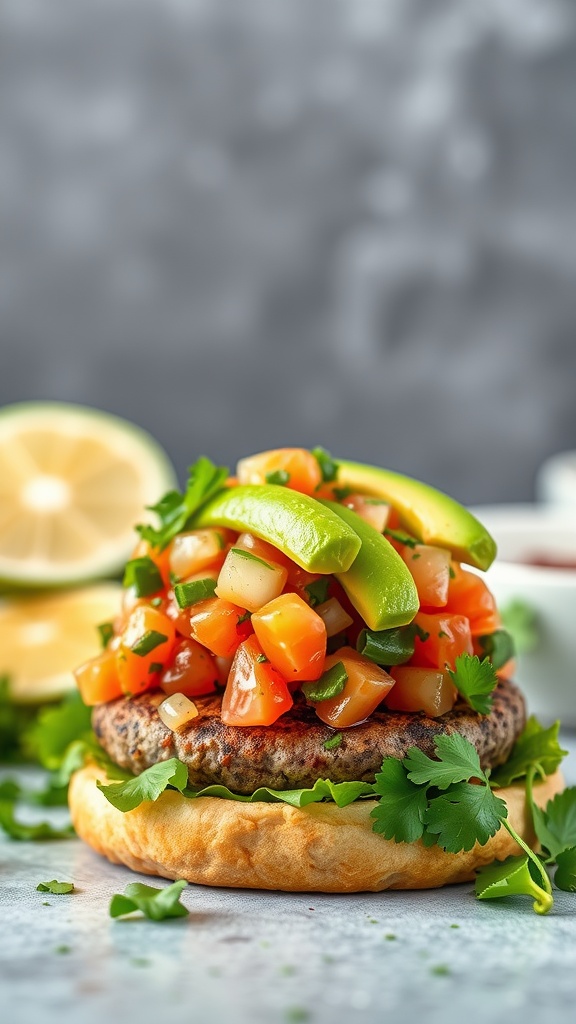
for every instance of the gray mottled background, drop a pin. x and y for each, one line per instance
(244, 223)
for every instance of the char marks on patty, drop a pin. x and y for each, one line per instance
(290, 754)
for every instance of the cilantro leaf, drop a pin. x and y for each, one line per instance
(511, 877)
(521, 620)
(328, 467)
(55, 887)
(56, 727)
(402, 805)
(388, 646)
(535, 747)
(20, 831)
(458, 762)
(318, 590)
(565, 877)
(464, 815)
(498, 647)
(556, 825)
(329, 685)
(174, 510)
(475, 680)
(279, 477)
(125, 796)
(144, 575)
(155, 904)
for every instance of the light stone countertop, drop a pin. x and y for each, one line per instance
(250, 957)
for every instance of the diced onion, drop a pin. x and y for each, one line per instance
(194, 551)
(249, 581)
(335, 618)
(176, 711)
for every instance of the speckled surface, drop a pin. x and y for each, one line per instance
(253, 957)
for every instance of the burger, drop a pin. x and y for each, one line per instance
(307, 688)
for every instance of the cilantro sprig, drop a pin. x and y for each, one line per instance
(155, 904)
(174, 510)
(475, 680)
(448, 801)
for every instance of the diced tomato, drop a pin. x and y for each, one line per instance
(421, 689)
(303, 471)
(196, 550)
(430, 569)
(97, 679)
(292, 636)
(161, 559)
(256, 694)
(145, 647)
(250, 581)
(366, 687)
(468, 595)
(374, 511)
(218, 625)
(448, 637)
(192, 670)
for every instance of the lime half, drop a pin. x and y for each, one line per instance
(73, 482)
(43, 639)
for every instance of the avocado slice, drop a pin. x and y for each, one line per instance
(378, 583)
(311, 535)
(431, 515)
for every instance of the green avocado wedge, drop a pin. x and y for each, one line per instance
(378, 583)
(431, 515)
(311, 534)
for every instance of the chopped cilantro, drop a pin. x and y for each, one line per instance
(55, 887)
(155, 666)
(155, 904)
(318, 590)
(279, 477)
(498, 647)
(252, 558)
(565, 877)
(328, 467)
(333, 741)
(20, 831)
(175, 510)
(389, 646)
(341, 493)
(556, 824)
(143, 575)
(148, 642)
(262, 658)
(56, 727)
(146, 786)
(401, 537)
(190, 593)
(475, 680)
(63, 949)
(244, 618)
(106, 631)
(330, 684)
(535, 746)
(520, 619)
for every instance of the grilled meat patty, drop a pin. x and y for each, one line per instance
(290, 754)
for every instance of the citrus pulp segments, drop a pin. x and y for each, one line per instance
(73, 482)
(43, 639)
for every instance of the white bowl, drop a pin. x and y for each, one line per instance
(547, 674)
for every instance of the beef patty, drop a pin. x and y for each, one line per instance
(291, 753)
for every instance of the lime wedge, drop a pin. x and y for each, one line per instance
(44, 638)
(73, 481)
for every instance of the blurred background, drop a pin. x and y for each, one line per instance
(338, 222)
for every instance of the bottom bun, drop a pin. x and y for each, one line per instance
(319, 848)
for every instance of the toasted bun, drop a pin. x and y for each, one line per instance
(320, 848)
